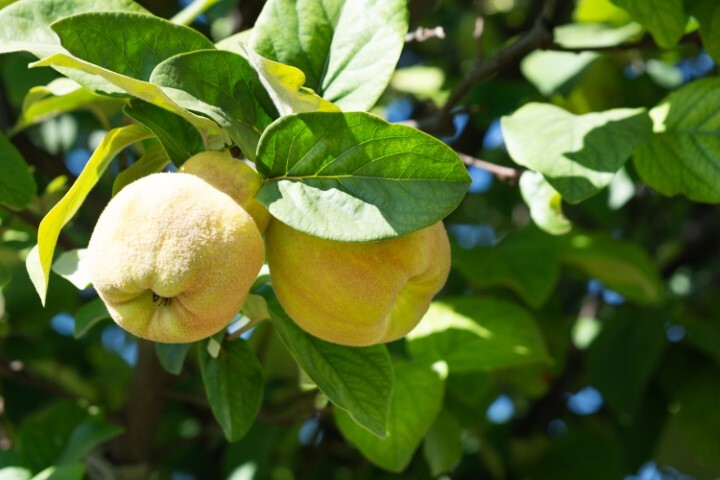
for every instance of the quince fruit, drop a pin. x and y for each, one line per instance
(357, 293)
(174, 258)
(232, 177)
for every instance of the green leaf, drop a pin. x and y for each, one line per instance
(553, 72)
(234, 386)
(60, 96)
(347, 49)
(545, 203)
(665, 19)
(17, 186)
(415, 403)
(236, 43)
(178, 137)
(73, 471)
(594, 35)
(356, 379)
(683, 156)
(88, 316)
(442, 446)
(153, 160)
(172, 356)
(577, 154)
(222, 86)
(284, 84)
(527, 262)
(26, 23)
(355, 177)
(707, 13)
(476, 334)
(126, 43)
(65, 209)
(213, 136)
(71, 265)
(620, 265)
(623, 358)
(85, 438)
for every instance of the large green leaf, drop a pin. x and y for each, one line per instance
(527, 262)
(60, 96)
(234, 385)
(443, 446)
(26, 23)
(39, 260)
(594, 35)
(545, 203)
(665, 19)
(356, 379)
(620, 265)
(623, 358)
(213, 135)
(355, 177)
(178, 137)
(577, 154)
(130, 44)
(415, 403)
(475, 333)
(223, 86)
(285, 85)
(698, 415)
(347, 49)
(683, 156)
(17, 186)
(707, 13)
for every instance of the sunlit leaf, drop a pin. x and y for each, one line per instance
(355, 177)
(65, 209)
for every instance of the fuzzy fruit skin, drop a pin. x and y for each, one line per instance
(176, 237)
(357, 294)
(232, 177)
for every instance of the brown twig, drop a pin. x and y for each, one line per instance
(422, 34)
(507, 174)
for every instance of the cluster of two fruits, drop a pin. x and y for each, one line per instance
(174, 255)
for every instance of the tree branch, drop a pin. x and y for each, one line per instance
(507, 174)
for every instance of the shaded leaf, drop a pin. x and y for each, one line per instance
(355, 177)
(665, 19)
(172, 356)
(442, 446)
(89, 315)
(85, 437)
(223, 86)
(178, 137)
(415, 403)
(356, 379)
(683, 156)
(234, 386)
(527, 262)
(347, 49)
(620, 265)
(17, 186)
(622, 359)
(475, 334)
(553, 72)
(577, 154)
(707, 13)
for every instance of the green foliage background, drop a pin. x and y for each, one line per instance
(578, 333)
